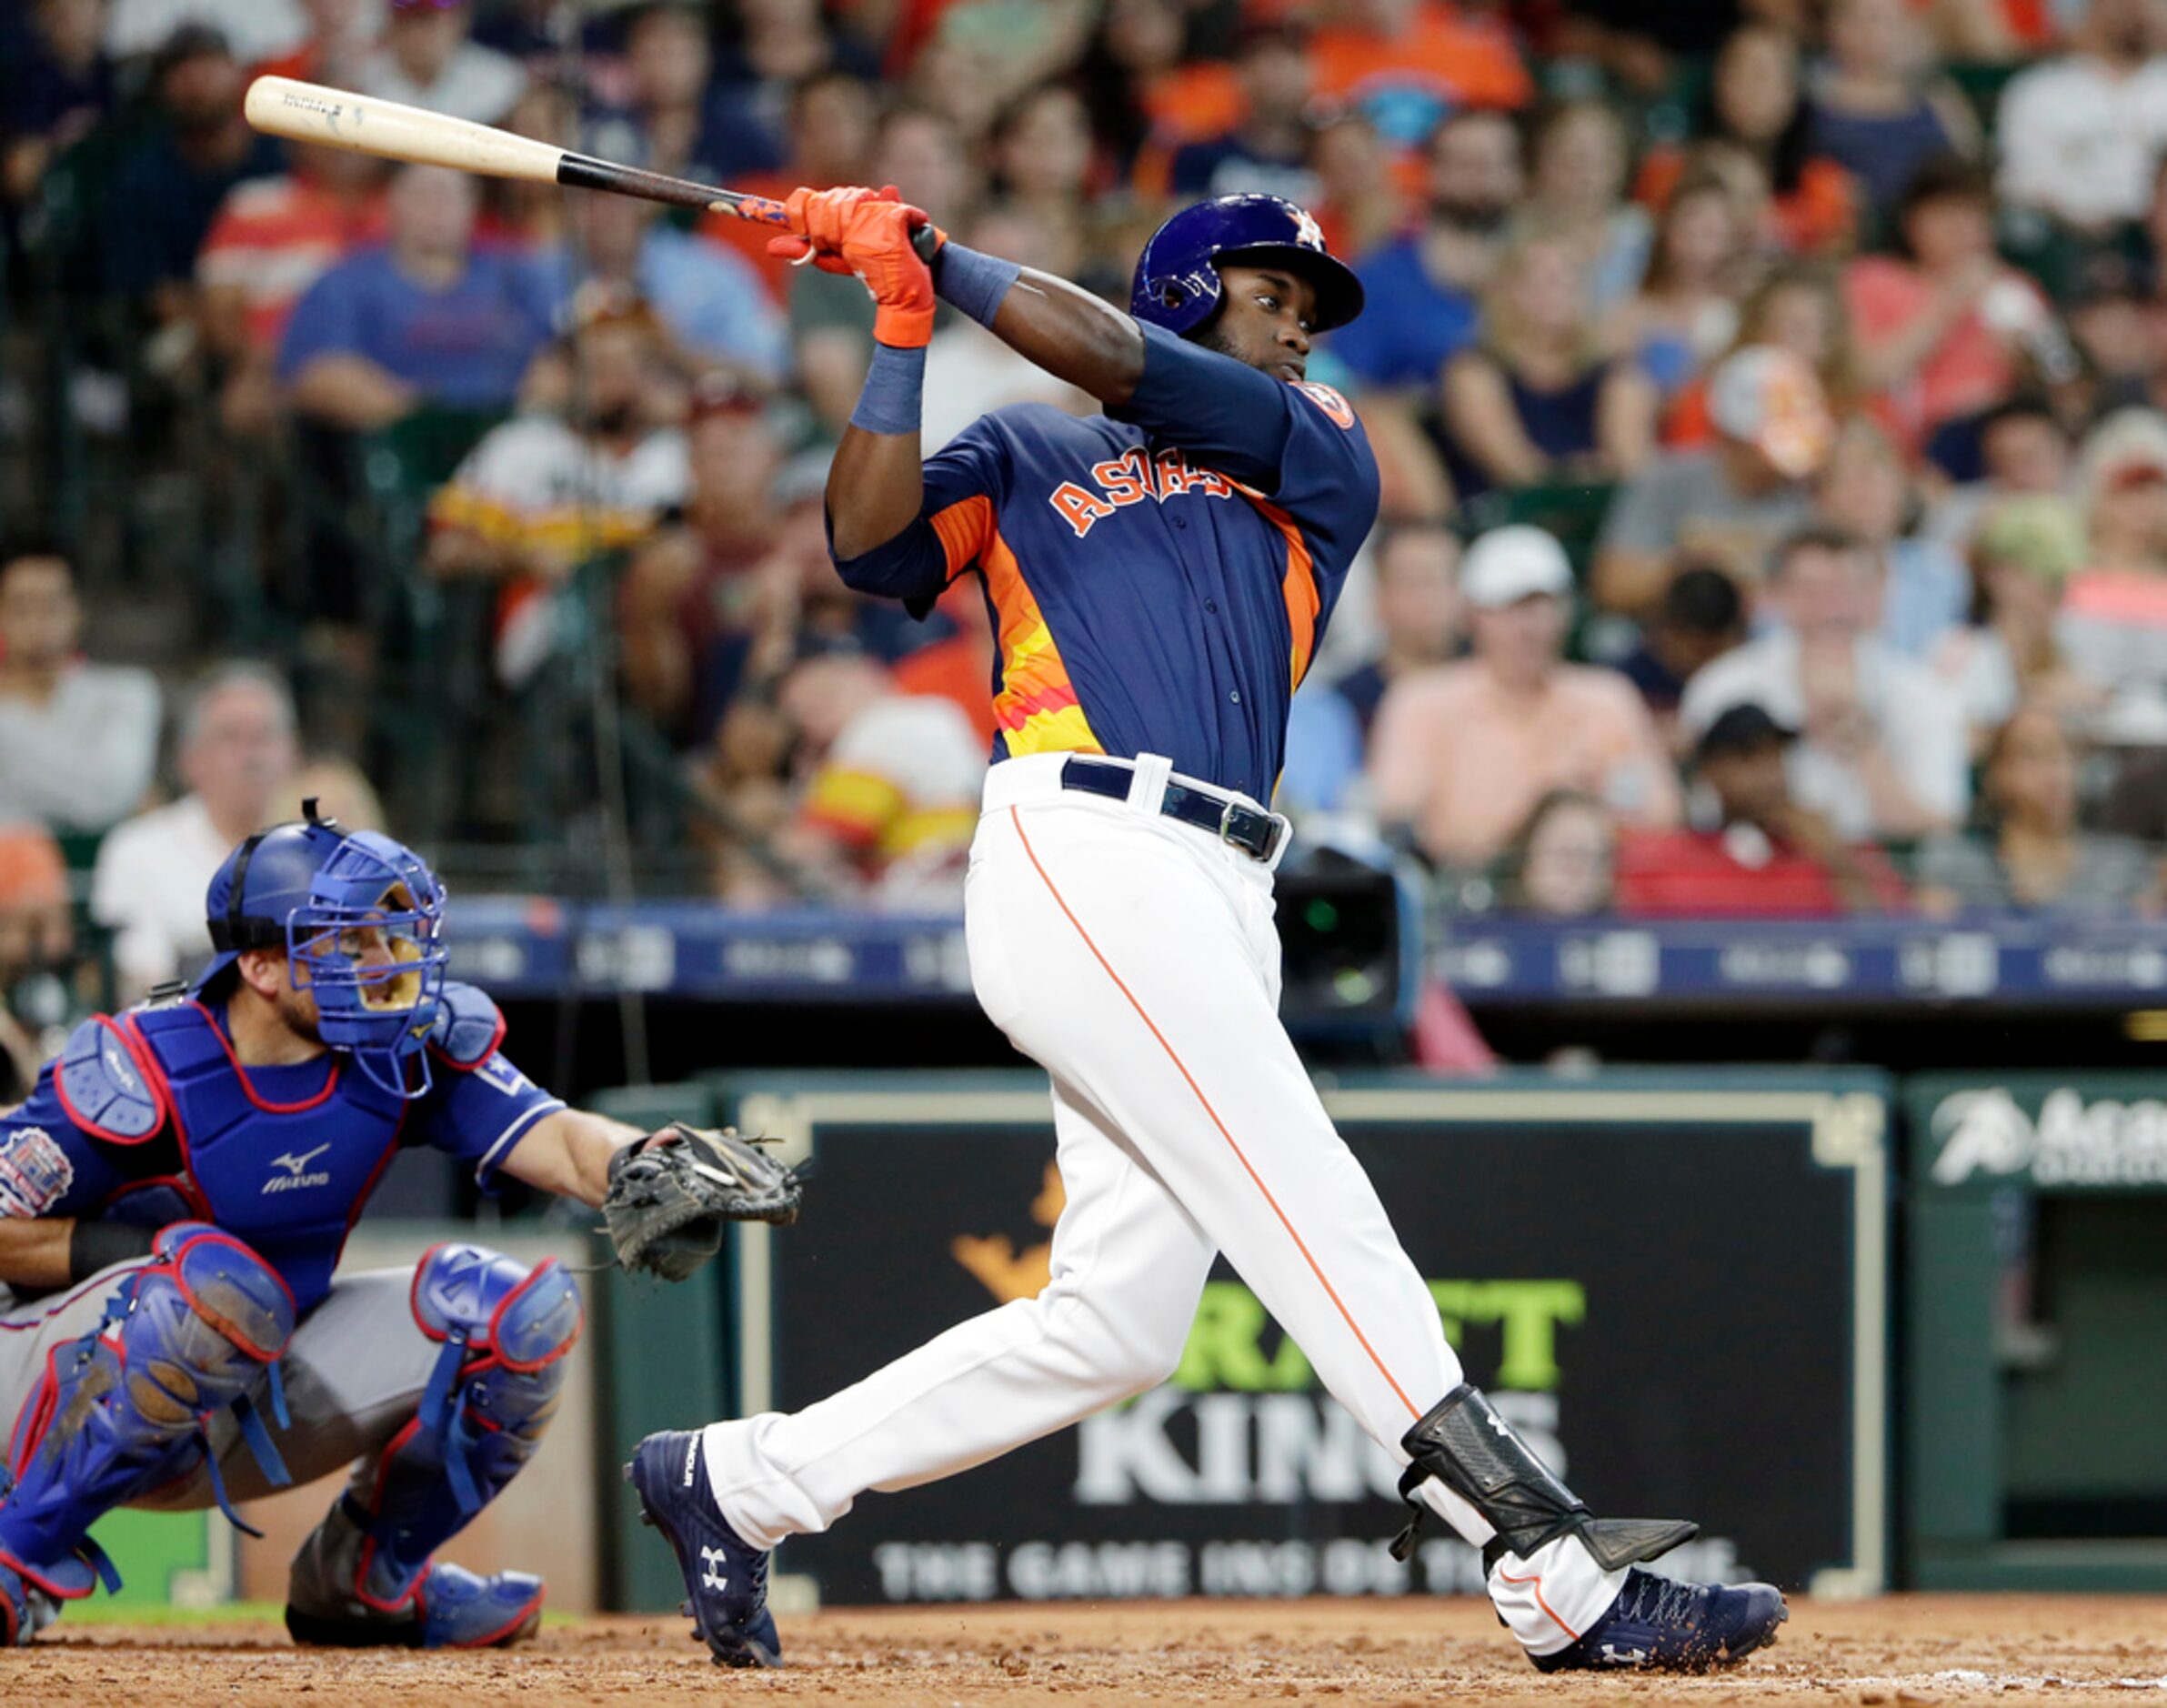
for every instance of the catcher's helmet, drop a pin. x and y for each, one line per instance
(361, 921)
(1177, 276)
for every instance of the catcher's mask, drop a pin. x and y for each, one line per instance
(361, 920)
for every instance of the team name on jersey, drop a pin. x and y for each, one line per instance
(1131, 480)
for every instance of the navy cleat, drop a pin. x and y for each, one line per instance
(1659, 1626)
(725, 1579)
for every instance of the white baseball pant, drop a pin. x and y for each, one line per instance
(1135, 958)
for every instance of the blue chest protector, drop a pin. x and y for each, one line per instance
(288, 1179)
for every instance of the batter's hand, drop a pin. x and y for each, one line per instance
(868, 232)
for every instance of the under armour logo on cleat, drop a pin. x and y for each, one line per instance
(709, 1578)
(1628, 1657)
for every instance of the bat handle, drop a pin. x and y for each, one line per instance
(767, 211)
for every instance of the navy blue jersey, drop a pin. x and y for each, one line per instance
(1158, 581)
(284, 1158)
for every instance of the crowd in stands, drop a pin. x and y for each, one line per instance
(1771, 397)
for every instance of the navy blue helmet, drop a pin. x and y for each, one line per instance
(361, 920)
(1177, 285)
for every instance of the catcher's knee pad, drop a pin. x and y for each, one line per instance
(123, 1408)
(1466, 1445)
(505, 1330)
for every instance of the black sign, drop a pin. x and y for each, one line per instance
(1674, 1289)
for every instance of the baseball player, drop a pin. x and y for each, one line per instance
(174, 1197)
(1160, 576)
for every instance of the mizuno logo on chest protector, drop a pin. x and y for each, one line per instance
(296, 1174)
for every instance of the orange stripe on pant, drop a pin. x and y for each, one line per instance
(1181, 1068)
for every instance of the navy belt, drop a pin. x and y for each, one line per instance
(1256, 834)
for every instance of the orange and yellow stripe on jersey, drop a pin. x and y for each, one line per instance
(1037, 707)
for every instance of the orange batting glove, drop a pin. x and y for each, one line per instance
(870, 234)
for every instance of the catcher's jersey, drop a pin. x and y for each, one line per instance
(284, 1158)
(1159, 583)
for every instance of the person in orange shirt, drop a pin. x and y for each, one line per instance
(1462, 752)
(1408, 63)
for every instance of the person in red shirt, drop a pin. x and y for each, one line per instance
(1766, 855)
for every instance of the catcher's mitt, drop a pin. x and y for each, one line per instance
(670, 1192)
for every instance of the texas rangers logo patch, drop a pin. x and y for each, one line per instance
(1336, 407)
(34, 1172)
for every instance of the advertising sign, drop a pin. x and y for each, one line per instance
(1675, 1290)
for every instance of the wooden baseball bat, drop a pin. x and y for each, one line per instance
(362, 124)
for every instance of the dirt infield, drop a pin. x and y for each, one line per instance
(1905, 1651)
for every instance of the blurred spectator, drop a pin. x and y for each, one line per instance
(829, 128)
(1461, 752)
(1797, 308)
(1730, 502)
(1876, 110)
(1133, 67)
(422, 318)
(1562, 863)
(2081, 135)
(687, 123)
(1268, 150)
(1535, 399)
(1577, 190)
(696, 597)
(920, 151)
(2025, 549)
(258, 29)
(760, 76)
(341, 35)
(969, 371)
(1943, 326)
(1359, 205)
(1418, 609)
(1761, 853)
(236, 755)
(1042, 159)
(1686, 312)
(2023, 451)
(711, 303)
(960, 666)
(546, 492)
(1755, 105)
(152, 212)
(78, 741)
(1881, 750)
(425, 59)
(2032, 855)
(56, 85)
(37, 940)
(892, 782)
(1409, 63)
(1641, 47)
(1866, 489)
(2114, 619)
(273, 238)
(1423, 289)
(1702, 616)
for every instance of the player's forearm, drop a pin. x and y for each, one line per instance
(567, 1152)
(34, 1253)
(1059, 326)
(876, 487)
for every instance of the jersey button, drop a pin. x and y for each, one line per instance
(1180, 521)
(1235, 695)
(1211, 606)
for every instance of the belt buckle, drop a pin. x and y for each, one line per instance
(1226, 825)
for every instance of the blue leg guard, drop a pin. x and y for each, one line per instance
(125, 1407)
(366, 1575)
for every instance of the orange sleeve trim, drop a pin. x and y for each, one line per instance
(964, 527)
(1298, 587)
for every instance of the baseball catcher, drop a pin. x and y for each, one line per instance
(173, 1198)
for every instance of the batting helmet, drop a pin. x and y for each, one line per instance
(328, 897)
(1177, 276)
